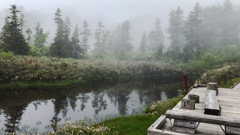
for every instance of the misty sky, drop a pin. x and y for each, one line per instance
(141, 13)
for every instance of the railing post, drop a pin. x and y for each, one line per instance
(185, 79)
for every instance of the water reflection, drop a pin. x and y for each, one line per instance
(13, 117)
(119, 98)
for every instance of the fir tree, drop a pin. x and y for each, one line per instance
(40, 37)
(57, 47)
(76, 51)
(11, 36)
(99, 46)
(156, 39)
(193, 34)
(85, 35)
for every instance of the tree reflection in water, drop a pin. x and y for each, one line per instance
(103, 98)
(13, 117)
(83, 98)
(99, 102)
(60, 105)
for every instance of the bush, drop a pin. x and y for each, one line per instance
(222, 75)
(159, 108)
(30, 68)
(82, 128)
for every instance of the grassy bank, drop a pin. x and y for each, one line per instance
(138, 124)
(225, 76)
(36, 71)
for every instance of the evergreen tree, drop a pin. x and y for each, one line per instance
(122, 42)
(156, 39)
(102, 41)
(75, 51)
(193, 34)
(66, 41)
(212, 23)
(229, 31)
(86, 33)
(57, 47)
(40, 37)
(29, 33)
(21, 22)
(143, 44)
(175, 30)
(11, 36)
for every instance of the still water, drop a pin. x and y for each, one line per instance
(33, 110)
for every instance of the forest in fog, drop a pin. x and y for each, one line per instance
(185, 38)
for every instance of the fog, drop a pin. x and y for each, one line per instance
(140, 13)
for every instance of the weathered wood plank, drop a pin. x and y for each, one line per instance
(158, 123)
(181, 115)
(211, 105)
(154, 128)
(184, 123)
(232, 130)
(212, 86)
(184, 130)
(187, 104)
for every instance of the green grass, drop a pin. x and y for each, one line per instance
(230, 83)
(40, 84)
(138, 124)
(131, 125)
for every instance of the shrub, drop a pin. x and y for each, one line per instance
(159, 108)
(30, 68)
(222, 75)
(82, 128)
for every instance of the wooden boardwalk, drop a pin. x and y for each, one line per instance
(229, 101)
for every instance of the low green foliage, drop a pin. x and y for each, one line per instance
(138, 124)
(82, 128)
(30, 69)
(207, 61)
(5, 54)
(223, 76)
(131, 125)
(158, 108)
(231, 83)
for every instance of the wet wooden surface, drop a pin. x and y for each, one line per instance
(229, 101)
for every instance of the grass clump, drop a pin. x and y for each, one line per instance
(159, 108)
(131, 125)
(83, 128)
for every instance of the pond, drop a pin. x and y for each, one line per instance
(33, 110)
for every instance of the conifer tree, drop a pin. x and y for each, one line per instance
(156, 39)
(57, 47)
(11, 36)
(85, 35)
(99, 46)
(193, 34)
(75, 50)
(175, 30)
(40, 37)
(29, 33)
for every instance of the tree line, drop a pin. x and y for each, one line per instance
(203, 28)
